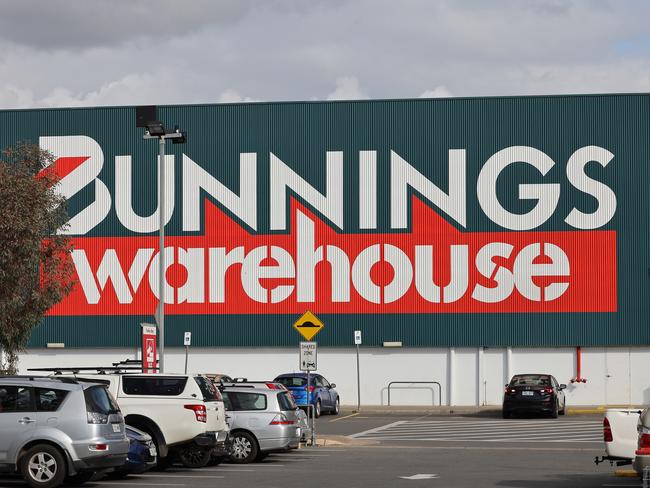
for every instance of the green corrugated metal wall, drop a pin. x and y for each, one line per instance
(421, 131)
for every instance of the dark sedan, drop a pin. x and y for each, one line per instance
(534, 393)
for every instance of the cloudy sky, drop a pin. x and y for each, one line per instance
(113, 52)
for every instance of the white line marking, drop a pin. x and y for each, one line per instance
(377, 429)
(122, 483)
(345, 417)
(498, 430)
(167, 475)
(447, 439)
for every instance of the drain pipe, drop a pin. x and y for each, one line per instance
(578, 378)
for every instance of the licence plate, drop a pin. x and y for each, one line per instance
(116, 428)
(527, 393)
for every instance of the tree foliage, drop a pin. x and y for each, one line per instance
(36, 271)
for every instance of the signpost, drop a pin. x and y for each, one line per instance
(309, 325)
(308, 356)
(148, 348)
(357, 342)
(187, 342)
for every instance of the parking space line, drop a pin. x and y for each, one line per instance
(345, 417)
(122, 483)
(167, 475)
(377, 429)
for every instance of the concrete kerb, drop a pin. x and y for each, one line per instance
(463, 411)
(342, 440)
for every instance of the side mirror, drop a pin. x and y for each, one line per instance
(562, 386)
(333, 385)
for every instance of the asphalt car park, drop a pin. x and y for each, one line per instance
(361, 450)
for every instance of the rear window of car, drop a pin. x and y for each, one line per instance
(531, 380)
(16, 399)
(285, 400)
(99, 400)
(291, 381)
(154, 386)
(208, 390)
(48, 399)
(241, 401)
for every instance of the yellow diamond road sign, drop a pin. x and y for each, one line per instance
(308, 325)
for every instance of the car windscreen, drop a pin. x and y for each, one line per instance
(531, 380)
(291, 381)
(241, 401)
(208, 390)
(159, 386)
(285, 400)
(99, 400)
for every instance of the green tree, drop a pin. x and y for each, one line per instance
(36, 270)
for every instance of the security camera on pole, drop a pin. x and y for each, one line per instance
(147, 117)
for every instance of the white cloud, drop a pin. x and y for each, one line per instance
(347, 88)
(438, 92)
(71, 53)
(233, 96)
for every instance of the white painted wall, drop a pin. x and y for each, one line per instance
(615, 376)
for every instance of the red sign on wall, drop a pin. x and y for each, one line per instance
(149, 354)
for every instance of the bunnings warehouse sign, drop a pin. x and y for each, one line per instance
(485, 221)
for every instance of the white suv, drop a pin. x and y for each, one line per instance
(184, 414)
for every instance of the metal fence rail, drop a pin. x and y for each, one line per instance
(416, 383)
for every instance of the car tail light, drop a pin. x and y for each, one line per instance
(311, 388)
(199, 411)
(547, 390)
(98, 447)
(281, 419)
(273, 386)
(97, 418)
(510, 391)
(607, 431)
(644, 445)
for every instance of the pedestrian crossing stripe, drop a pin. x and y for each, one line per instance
(487, 431)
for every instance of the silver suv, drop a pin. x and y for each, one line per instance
(57, 428)
(261, 421)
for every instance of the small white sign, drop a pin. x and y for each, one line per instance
(357, 337)
(187, 339)
(308, 356)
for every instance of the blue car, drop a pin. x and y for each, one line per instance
(324, 397)
(142, 454)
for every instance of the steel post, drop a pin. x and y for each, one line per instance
(161, 255)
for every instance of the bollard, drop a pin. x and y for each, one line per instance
(646, 477)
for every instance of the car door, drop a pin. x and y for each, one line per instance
(17, 422)
(327, 393)
(560, 393)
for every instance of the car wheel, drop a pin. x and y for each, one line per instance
(337, 406)
(194, 456)
(261, 456)
(164, 463)
(43, 466)
(216, 460)
(554, 412)
(244, 448)
(317, 409)
(80, 478)
(563, 411)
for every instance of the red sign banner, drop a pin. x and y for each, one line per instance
(433, 268)
(149, 349)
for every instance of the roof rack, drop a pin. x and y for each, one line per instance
(99, 369)
(36, 378)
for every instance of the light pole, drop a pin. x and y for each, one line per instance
(146, 116)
